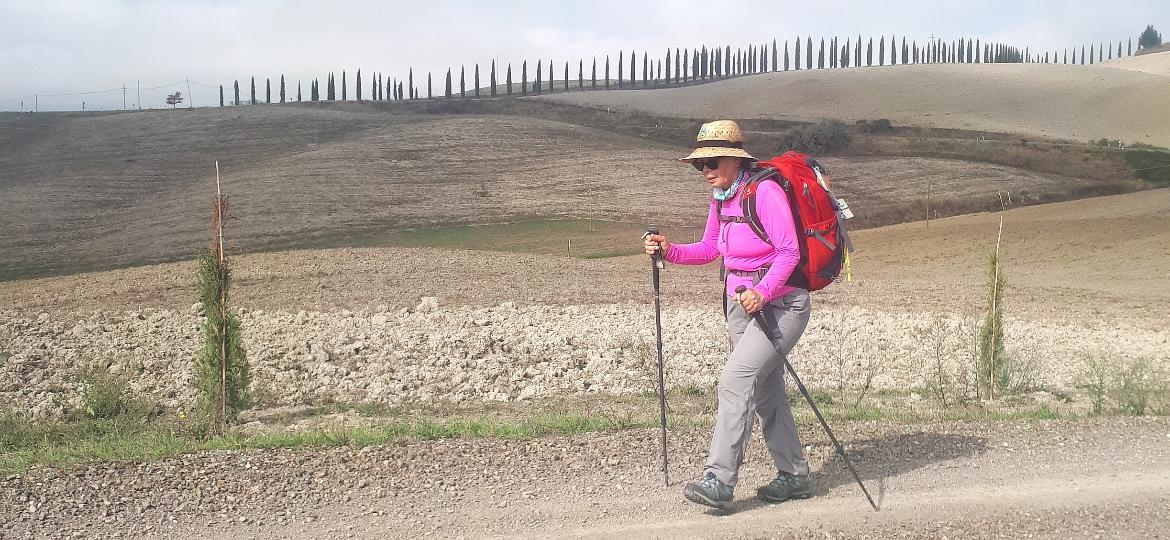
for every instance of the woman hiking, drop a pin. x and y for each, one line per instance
(752, 380)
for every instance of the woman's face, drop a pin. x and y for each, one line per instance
(721, 177)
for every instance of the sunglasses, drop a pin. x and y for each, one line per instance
(709, 163)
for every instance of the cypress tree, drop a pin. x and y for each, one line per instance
(725, 60)
(374, 88)
(509, 81)
(857, 52)
(1129, 48)
(796, 57)
(808, 53)
(843, 56)
(621, 74)
(774, 63)
(633, 64)
(282, 88)
(221, 95)
(677, 67)
(447, 85)
(331, 89)
(668, 65)
(1092, 55)
(410, 82)
(343, 85)
(567, 76)
(536, 86)
(462, 82)
(253, 101)
(268, 91)
(821, 55)
(477, 79)
(221, 371)
(298, 91)
(695, 65)
(524, 77)
(607, 72)
(645, 68)
(882, 51)
(869, 53)
(315, 91)
(430, 93)
(1082, 55)
(580, 74)
(593, 75)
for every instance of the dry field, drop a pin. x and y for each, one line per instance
(1068, 102)
(87, 192)
(1157, 63)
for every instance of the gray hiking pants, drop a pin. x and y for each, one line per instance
(752, 381)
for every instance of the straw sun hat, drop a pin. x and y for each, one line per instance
(717, 139)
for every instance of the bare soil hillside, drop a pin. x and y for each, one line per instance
(1157, 63)
(98, 191)
(1070, 102)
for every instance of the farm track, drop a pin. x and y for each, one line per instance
(1105, 477)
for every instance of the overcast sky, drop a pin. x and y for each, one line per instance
(59, 47)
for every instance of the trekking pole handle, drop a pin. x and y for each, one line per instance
(657, 256)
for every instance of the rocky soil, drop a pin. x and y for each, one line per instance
(508, 352)
(1103, 478)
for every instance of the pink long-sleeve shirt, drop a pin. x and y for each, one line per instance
(739, 246)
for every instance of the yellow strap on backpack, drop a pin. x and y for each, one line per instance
(848, 268)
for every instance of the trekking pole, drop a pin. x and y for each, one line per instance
(759, 318)
(655, 268)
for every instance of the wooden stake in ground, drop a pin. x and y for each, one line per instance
(223, 361)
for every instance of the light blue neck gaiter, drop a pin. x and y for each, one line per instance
(724, 194)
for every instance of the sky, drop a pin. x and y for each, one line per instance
(53, 47)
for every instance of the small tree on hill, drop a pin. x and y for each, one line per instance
(1149, 38)
(282, 88)
(174, 99)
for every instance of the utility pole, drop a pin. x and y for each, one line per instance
(190, 98)
(123, 96)
(36, 103)
(140, 94)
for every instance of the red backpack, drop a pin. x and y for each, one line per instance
(818, 215)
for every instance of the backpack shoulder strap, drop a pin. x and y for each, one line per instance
(748, 201)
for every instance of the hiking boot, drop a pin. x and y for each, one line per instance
(785, 486)
(709, 491)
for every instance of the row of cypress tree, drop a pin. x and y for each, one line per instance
(682, 66)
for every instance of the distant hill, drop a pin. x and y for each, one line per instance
(1155, 61)
(1079, 103)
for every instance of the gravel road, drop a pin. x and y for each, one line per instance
(1099, 478)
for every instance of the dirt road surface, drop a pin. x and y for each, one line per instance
(1102, 478)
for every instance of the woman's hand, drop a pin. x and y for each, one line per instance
(654, 242)
(751, 300)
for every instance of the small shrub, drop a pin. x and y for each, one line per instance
(1095, 381)
(1134, 388)
(1150, 165)
(881, 125)
(103, 396)
(820, 138)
